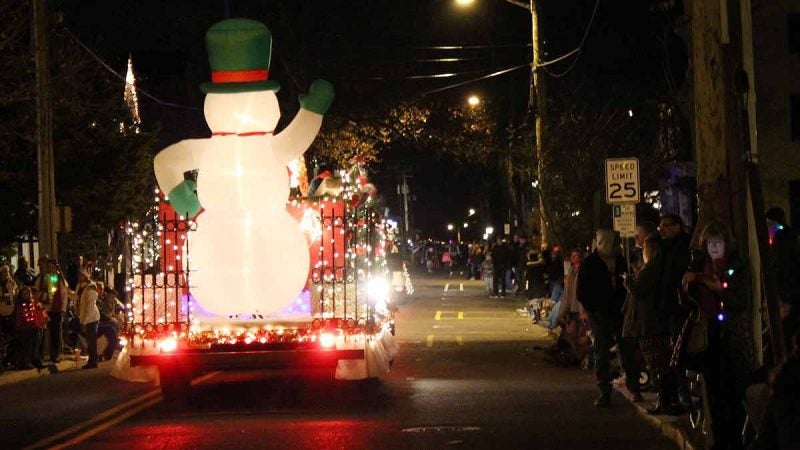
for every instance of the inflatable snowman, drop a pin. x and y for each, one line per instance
(248, 254)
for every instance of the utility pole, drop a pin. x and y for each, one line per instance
(729, 189)
(44, 131)
(536, 103)
(537, 106)
(404, 191)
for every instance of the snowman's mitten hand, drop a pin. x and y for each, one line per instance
(184, 200)
(319, 97)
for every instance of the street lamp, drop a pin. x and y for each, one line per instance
(471, 212)
(464, 2)
(449, 227)
(473, 101)
(489, 230)
(466, 225)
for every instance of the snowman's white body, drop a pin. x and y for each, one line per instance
(248, 255)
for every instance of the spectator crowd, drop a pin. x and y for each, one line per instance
(669, 311)
(48, 315)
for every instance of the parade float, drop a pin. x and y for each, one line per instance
(231, 271)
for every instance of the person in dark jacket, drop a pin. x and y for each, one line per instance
(785, 262)
(24, 275)
(501, 261)
(520, 264)
(675, 244)
(640, 325)
(601, 291)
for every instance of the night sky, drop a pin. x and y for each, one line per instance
(369, 49)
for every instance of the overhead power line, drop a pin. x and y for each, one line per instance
(576, 51)
(431, 76)
(484, 77)
(441, 47)
(122, 77)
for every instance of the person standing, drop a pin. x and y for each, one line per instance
(722, 288)
(24, 275)
(8, 290)
(785, 261)
(601, 292)
(27, 331)
(54, 294)
(644, 230)
(535, 268)
(520, 264)
(501, 262)
(570, 308)
(675, 244)
(640, 326)
(88, 314)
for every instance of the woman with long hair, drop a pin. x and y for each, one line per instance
(641, 327)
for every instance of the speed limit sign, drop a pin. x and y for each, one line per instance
(622, 180)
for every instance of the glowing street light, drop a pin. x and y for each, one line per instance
(466, 225)
(472, 211)
(489, 230)
(473, 100)
(464, 2)
(449, 227)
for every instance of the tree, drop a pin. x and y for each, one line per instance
(103, 167)
(583, 131)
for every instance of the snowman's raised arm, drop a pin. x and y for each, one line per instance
(170, 164)
(295, 139)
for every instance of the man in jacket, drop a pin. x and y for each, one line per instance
(675, 244)
(501, 261)
(601, 291)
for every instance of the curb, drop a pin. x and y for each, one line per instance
(18, 376)
(669, 427)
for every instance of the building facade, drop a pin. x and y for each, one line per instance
(776, 42)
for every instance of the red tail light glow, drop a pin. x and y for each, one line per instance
(168, 345)
(327, 340)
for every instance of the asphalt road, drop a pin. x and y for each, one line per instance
(465, 377)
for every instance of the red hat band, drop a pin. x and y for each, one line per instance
(239, 76)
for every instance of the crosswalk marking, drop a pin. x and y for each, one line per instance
(459, 340)
(446, 287)
(461, 287)
(429, 341)
(438, 316)
(460, 315)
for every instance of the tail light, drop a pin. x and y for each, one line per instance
(168, 345)
(327, 340)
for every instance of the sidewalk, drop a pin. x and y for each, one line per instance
(675, 428)
(17, 376)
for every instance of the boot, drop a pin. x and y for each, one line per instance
(604, 400)
(663, 407)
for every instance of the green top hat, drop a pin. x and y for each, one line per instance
(239, 52)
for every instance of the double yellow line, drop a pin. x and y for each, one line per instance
(438, 315)
(106, 419)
